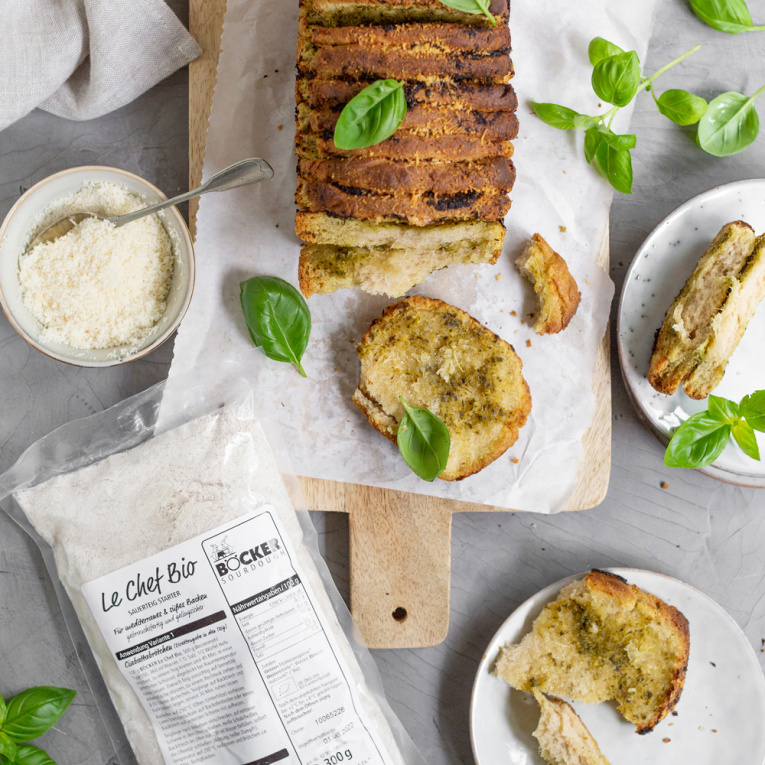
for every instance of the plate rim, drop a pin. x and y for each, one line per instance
(745, 480)
(619, 571)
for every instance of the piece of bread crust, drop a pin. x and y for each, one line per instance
(728, 326)
(437, 356)
(603, 639)
(563, 737)
(685, 333)
(557, 293)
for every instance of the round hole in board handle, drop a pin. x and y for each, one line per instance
(400, 614)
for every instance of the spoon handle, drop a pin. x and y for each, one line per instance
(240, 174)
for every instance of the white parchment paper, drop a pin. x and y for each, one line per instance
(251, 231)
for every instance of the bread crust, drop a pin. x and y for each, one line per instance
(496, 174)
(425, 337)
(416, 209)
(557, 292)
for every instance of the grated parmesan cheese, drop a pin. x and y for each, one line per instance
(98, 286)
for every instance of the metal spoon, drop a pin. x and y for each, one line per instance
(239, 174)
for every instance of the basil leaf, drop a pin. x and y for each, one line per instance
(471, 6)
(31, 755)
(723, 409)
(277, 317)
(371, 116)
(7, 747)
(34, 711)
(730, 16)
(614, 164)
(729, 126)
(743, 433)
(752, 408)
(600, 49)
(3, 710)
(624, 142)
(583, 122)
(560, 117)
(592, 140)
(681, 107)
(423, 441)
(698, 442)
(616, 79)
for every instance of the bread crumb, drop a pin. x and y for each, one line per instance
(280, 127)
(476, 277)
(528, 343)
(665, 740)
(498, 277)
(664, 485)
(562, 229)
(514, 313)
(515, 460)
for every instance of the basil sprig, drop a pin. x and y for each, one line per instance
(423, 441)
(616, 79)
(702, 438)
(27, 716)
(371, 116)
(472, 6)
(730, 125)
(277, 318)
(730, 16)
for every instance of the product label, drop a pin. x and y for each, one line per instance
(224, 644)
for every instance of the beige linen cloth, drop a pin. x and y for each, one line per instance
(81, 59)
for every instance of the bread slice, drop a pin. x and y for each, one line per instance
(436, 356)
(387, 177)
(728, 326)
(604, 639)
(687, 327)
(357, 12)
(383, 270)
(417, 209)
(557, 293)
(563, 737)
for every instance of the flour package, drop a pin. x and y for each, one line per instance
(212, 619)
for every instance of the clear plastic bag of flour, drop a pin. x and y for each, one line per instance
(194, 591)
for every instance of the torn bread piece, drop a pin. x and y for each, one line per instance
(604, 639)
(436, 356)
(687, 327)
(557, 293)
(563, 737)
(384, 270)
(728, 326)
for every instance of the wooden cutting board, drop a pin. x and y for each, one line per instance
(400, 543)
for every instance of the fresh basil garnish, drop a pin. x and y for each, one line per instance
(277, 318)
(560, 117)
(729, 125)
(31, 755)
(423, 441)
(616, 79)
(34, 711)
(702, 438)
(371, 116)
(7, 747)
(730, 16)
(472, 6)
(600, 49)
(681, 107)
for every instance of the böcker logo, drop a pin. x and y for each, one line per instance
(226, 560)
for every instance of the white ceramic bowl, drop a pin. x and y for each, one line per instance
(14, 232)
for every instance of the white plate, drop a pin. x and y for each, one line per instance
(719, 715)
(656, 275)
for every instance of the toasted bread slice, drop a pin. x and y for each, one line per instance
(557, 293)
(416, 209)
(321, 228)
(435, 120)
(456, 94)
(412, 147)
(447, 37)
(384, 270)
(604, 639)
(436, 356)
(563, 737)
(687, 327)
(728, 326)
(355, 12)
(386, 177)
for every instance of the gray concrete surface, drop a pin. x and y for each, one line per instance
(707, 533)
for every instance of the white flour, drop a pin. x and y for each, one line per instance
(178, 486)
